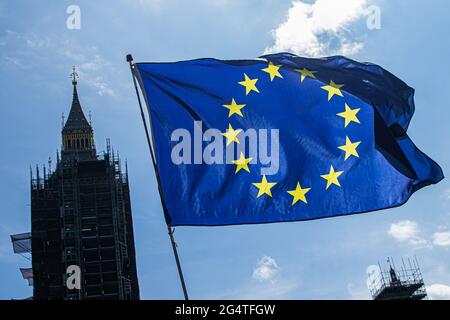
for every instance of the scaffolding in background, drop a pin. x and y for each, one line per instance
(94, 228)
(405, 283)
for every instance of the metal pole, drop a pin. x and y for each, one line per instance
(170, 230)
(177, 259)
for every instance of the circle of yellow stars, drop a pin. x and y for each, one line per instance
(349, 116)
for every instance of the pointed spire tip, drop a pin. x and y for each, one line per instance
(74, 76)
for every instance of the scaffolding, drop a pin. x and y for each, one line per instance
(405, 283)
(94, 227)
(46, 240)
(81, 215)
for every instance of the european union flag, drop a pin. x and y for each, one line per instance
(280, 138)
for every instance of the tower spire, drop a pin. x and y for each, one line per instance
(77, 132)
(76, 118)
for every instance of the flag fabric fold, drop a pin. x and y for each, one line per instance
(280, 138)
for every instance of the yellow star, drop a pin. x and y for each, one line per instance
(332, 177)
(242, 163)
(299, 194)
(350, 148)
(306, 73)
(349, 115)
(272, 70)
(231, 135)
(264, 187)
(333, 89)
(234, 108)
(249, 84)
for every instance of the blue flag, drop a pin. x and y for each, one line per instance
(280, 138)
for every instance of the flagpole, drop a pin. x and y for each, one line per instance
(169, 228)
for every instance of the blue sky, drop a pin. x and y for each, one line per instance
(324, 259)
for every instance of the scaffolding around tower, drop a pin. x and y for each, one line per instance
(404, 283)
(81, 217)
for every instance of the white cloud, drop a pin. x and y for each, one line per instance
(266, 282)
(321, 28)
(31, 50)
(404, 230)
(266, 269)
(90, 65)
(438, 292)
(19, 47)
(407, 231)
(441, 239)
(100, 85)
(29, 40)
